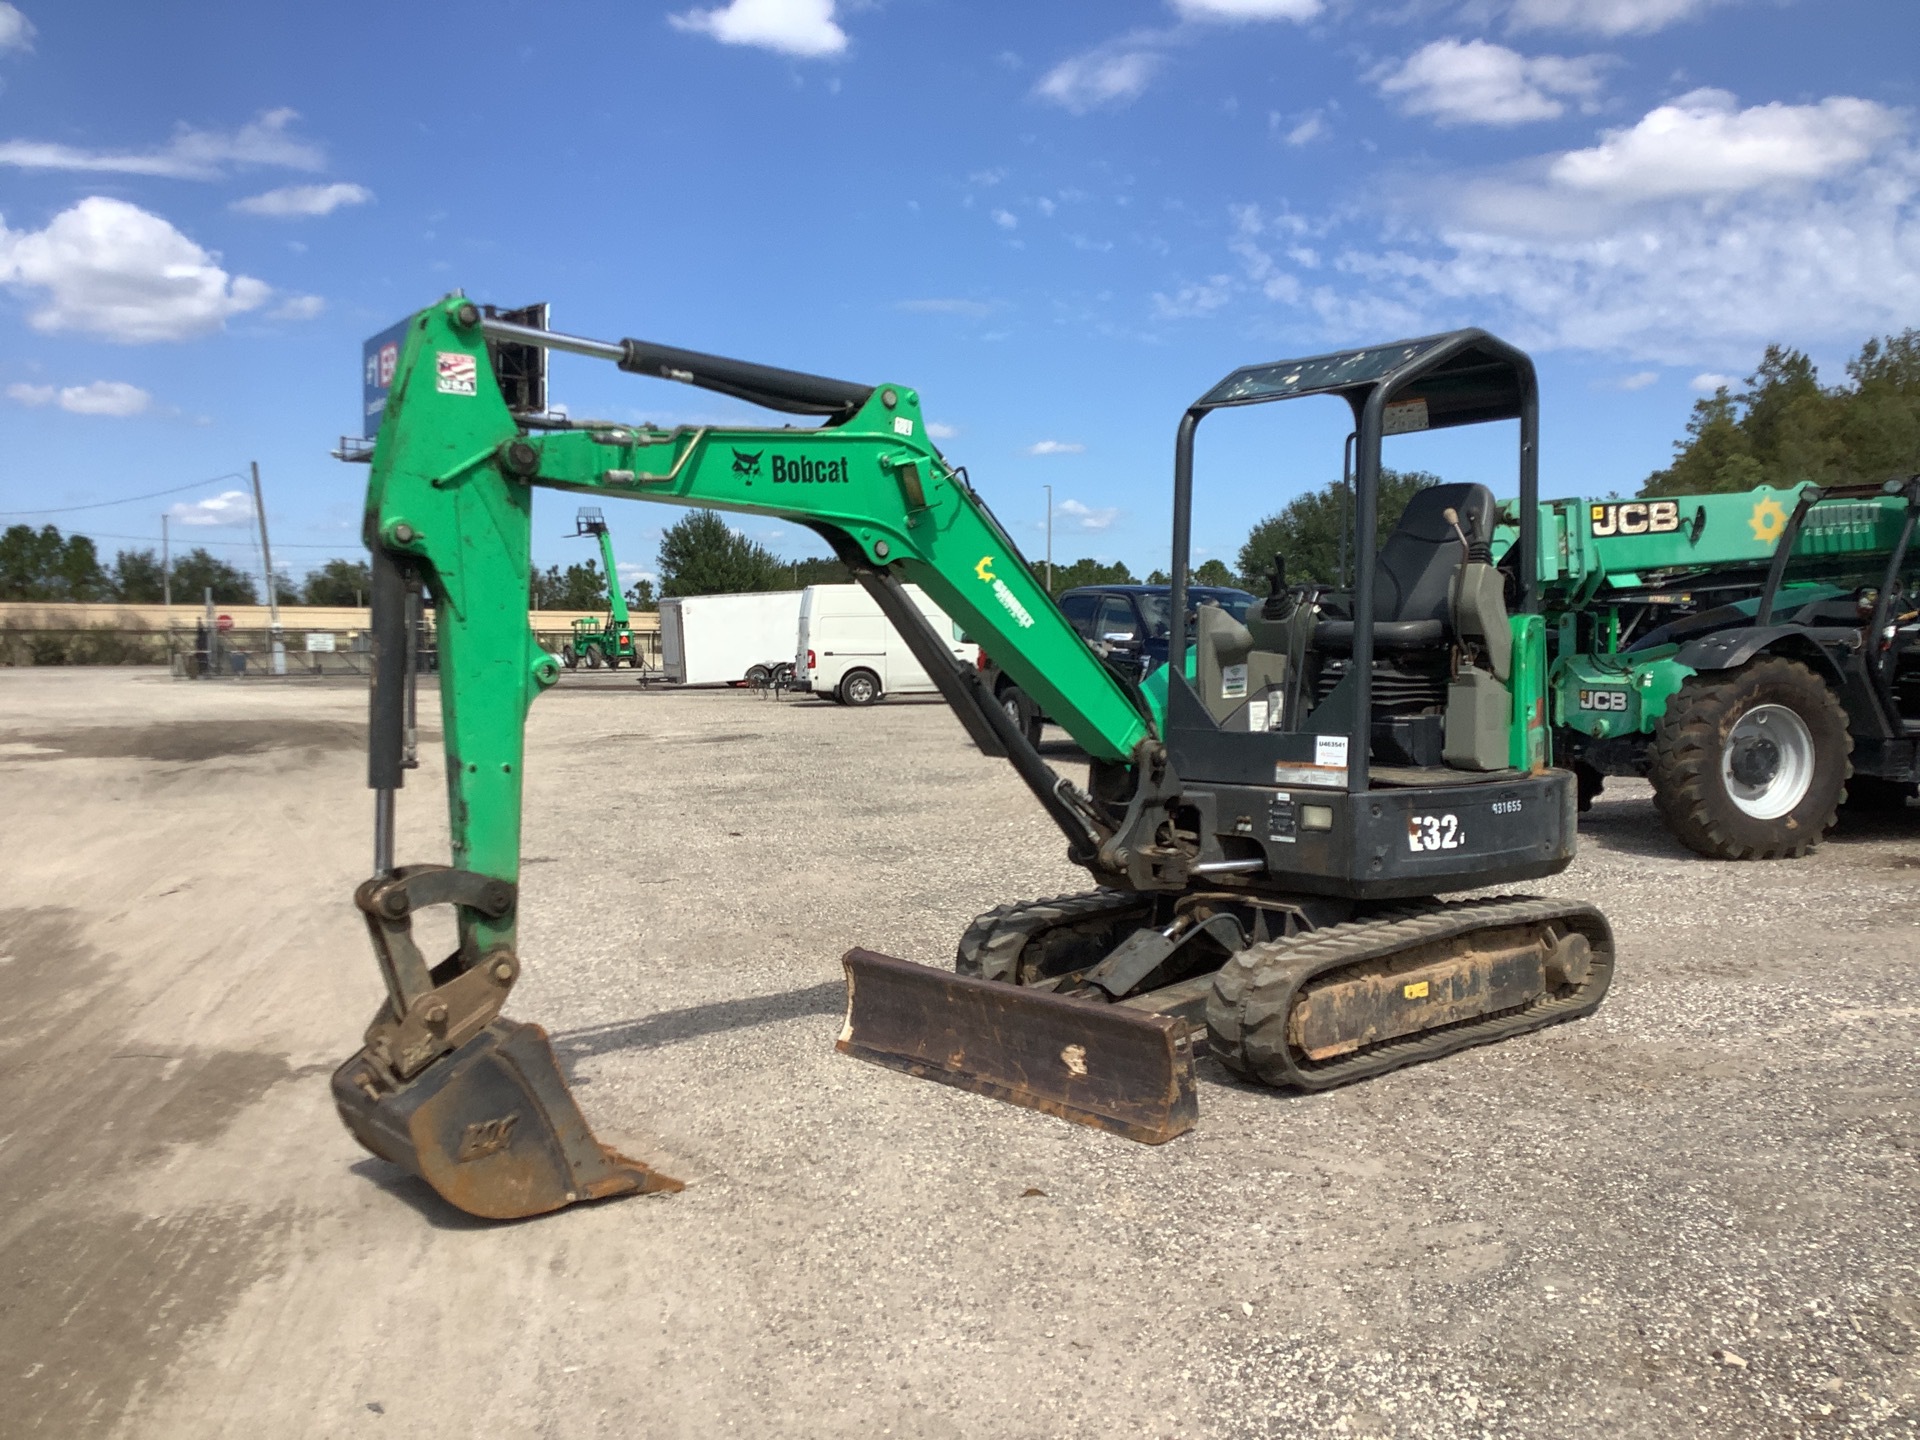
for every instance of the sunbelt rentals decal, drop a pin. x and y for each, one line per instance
(1009, 601)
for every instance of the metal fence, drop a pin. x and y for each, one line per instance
(195, 650)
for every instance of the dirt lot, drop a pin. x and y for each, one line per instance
(1693, 1214)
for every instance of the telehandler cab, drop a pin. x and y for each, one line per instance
(1267, 819)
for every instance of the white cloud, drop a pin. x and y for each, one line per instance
(16, 31)
(793, 27)
(229, 507)
(297, 307)
(32, 395)
(1708, 382)
(1635, 249)
(1194, 300)
(1603, 17)
(105, 397)
(1639, 380)
(1006, 219)
(113, 270)
(974, 309)
(1072, 515)
(302, 200)
(937, 431)
(1473, 82)
(1701, 144)
(1055, 447)
(190, 155)
(1237, 10)
(1110, 74)
(1308, 130)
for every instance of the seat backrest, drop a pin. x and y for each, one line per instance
(1417, 563)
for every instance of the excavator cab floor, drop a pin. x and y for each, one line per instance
(491, 1127)
(1113, 1067)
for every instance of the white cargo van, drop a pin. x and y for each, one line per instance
(848, 652)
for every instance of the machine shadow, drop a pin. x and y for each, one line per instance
(670, 1027)
(412, 1191)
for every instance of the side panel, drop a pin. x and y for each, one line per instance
(1529, 746)
(673, 641)
(726, 635)
(1604, 698)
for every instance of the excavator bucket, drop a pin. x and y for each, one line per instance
(1113, 1067)
(491, 1127)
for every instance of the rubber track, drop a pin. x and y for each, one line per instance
(1685, 755)
(1255, 992)
(990, 949)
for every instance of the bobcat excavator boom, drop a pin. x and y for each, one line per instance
(1086, 1006)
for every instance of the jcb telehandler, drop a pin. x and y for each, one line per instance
(1266, 824)
(1755, 654)
(601, 642)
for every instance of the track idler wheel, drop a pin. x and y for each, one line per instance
(491, 1127)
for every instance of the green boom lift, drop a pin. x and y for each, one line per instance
(1266, 825)
(606, 642)
(1751, 653)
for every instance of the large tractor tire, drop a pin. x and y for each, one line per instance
(1752, 764)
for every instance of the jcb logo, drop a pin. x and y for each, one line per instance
(1635, 517)
(1603, 700)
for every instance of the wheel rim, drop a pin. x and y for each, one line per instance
(1012, 707)
(860, 690)
(1767, 766)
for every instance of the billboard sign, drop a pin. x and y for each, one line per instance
(379, 360)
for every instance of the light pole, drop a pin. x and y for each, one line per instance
(1049, 490)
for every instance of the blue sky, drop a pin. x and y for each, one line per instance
(1060, 223)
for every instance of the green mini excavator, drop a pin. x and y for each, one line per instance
(1266, 823)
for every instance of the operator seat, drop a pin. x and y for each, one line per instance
(1415, 569)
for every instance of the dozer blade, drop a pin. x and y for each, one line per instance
(1115, 1068)
(491, 1127)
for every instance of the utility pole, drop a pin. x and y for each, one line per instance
(166, 565)
(266, 551)
(277, 647)
(1049, 490)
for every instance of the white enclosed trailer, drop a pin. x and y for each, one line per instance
(718, 639)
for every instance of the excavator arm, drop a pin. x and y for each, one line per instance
(445, 1086)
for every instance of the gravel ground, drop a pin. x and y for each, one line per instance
(1692, 1214)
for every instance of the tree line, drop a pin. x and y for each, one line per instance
(44, 564)
(1782, 426)
(1779, 427)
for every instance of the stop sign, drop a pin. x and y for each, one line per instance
(225, 622)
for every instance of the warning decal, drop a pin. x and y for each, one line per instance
(459, 373)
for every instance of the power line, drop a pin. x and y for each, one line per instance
(105, 504)
(242, 544)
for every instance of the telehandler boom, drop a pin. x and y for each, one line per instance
(1266, 820)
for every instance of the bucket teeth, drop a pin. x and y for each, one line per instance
(491, 1127)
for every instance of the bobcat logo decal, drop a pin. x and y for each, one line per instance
(747, 465)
